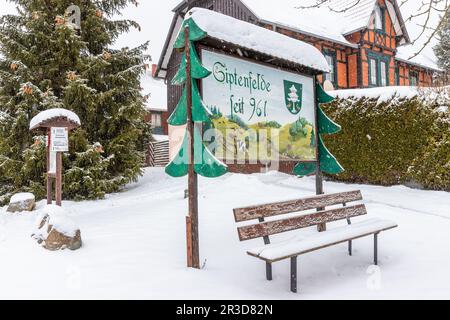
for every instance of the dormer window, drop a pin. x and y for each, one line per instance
(379, 19)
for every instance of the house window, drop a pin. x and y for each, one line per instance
(383, 73)
(378, 70)
(379, 19)
(413, 79)
(156, 120)
(397, 75)
(331, 60)
(373, 72)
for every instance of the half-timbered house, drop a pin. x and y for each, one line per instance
(365, 42)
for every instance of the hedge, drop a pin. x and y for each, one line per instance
(396, 141)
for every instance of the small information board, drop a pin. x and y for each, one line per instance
(59, 139)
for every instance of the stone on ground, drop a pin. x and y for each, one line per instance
(21, 202)
(56, 231)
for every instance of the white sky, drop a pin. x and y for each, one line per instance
(155, 17)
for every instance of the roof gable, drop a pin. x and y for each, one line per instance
(355, 16)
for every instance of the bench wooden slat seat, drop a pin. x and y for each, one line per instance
(298, 219)
(289, 224)
(301, 245)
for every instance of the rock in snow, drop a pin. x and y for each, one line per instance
(21, 202)
(56, 231)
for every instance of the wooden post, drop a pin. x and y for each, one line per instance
(58, 186)
(319, 190)
(189, 241)
(49, 177)
(194, 250)
(319, 177)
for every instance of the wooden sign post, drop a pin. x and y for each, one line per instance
(193, 158)
(193, 253)
(56, 123)
(59, 143)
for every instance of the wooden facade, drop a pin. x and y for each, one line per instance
(351, 64)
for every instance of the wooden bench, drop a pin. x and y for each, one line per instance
(292, 248)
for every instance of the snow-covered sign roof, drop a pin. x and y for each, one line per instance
(258, 39)
(51, 114)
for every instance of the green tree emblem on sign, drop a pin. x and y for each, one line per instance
(293, 96)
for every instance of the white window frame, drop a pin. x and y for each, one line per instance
(383, 75)
(373, 72)
(156, 120)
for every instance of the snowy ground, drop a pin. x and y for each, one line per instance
(134, 247)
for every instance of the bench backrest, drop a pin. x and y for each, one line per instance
(264, 229)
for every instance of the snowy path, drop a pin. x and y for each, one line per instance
(134, 246)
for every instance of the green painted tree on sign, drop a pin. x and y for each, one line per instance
(328, 162)
(194, 158)
(206, 164)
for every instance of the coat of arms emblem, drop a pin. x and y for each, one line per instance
(293, 96)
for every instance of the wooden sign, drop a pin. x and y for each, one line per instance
(258, 100)
(57, 123)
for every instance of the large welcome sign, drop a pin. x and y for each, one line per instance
(259, 105)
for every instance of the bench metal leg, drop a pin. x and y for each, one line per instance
(350, 244)
(294, 274)
(375, 249)
(269, 271)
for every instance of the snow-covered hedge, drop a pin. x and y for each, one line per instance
(395, 137)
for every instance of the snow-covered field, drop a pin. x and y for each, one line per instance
(134, 247)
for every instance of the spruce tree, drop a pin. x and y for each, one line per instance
(442, 49)
(47, 62)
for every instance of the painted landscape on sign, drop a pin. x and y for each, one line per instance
(259, 110)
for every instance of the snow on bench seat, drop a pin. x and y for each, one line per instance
(301, 244)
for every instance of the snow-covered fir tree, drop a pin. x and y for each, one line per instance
(442, 50)
(47, 62)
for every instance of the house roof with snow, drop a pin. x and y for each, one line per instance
(157, 91)
(330, 22)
